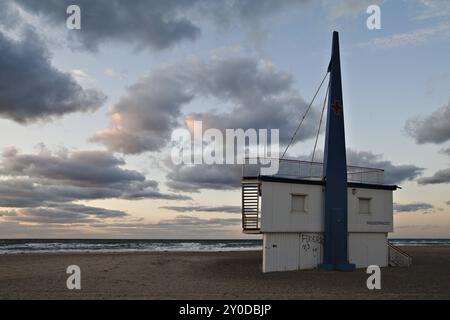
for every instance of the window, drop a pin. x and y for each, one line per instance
(298, 203)
(364, 205)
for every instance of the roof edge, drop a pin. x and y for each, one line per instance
(321, 182)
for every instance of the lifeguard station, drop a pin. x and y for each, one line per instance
(321, 215)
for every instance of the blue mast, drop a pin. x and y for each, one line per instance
(335, 255)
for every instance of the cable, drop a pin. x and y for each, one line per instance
(304, 116)
(320, 122)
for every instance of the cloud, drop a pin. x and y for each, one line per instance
(82, 77)
(413, 207)
(255, 88)
(144, 119)
(35, 180)
(445, 151)
(248, 89)
(176, 228)
(447, 203)
(113, 73)
(98, 219)
(193, 178)
(197, 177)
(393, 173)
(348, 8)
(433, 128)
(220, 209)
(61, 214)
(416, 37)
(81, 168)
(180, 222)
(156, 24)
(32, 89)
(441, 176)
(434, 8)
(195, 221)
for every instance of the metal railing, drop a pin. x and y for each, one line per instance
(297, 169)
(398, 257)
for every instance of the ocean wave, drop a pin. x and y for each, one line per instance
(111, 246)
(105, 246)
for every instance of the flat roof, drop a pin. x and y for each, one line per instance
(321, 182)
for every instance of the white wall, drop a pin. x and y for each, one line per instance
(276, 214)
(291, 251)
(280, 252)
(381, 217)
(367, 249)
(299, 251)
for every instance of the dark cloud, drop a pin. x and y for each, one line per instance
(156, 24)
(192, 178)
(255, 89)
(413, 207)
(220, 209)
(9, 16)
(32, 89)
(61, 214)
(447, 203)
(433, 128)
(441, 176)
(145, 118)
(197, 177)
(34, 180)
(79, 168)
(252, 90)
(393, 173)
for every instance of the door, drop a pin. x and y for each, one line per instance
(310, 250)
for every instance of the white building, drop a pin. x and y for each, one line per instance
(331, 215)
(288, 210)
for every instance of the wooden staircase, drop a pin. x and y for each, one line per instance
(250, 207)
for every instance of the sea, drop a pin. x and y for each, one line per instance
(24, 246)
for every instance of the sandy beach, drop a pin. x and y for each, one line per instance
(213, 275)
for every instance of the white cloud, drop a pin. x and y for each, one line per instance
(113, 73)
(416, 37)
(434, 8)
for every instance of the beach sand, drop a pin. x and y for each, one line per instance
(213, 275)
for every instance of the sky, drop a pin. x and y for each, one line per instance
(86, 116)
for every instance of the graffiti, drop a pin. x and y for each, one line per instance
(316, 238)
(308, 240)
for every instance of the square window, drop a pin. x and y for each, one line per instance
(364, 205)
(298, 203)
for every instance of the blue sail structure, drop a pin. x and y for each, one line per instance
(335, 255)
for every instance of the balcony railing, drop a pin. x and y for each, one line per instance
(297, 169)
